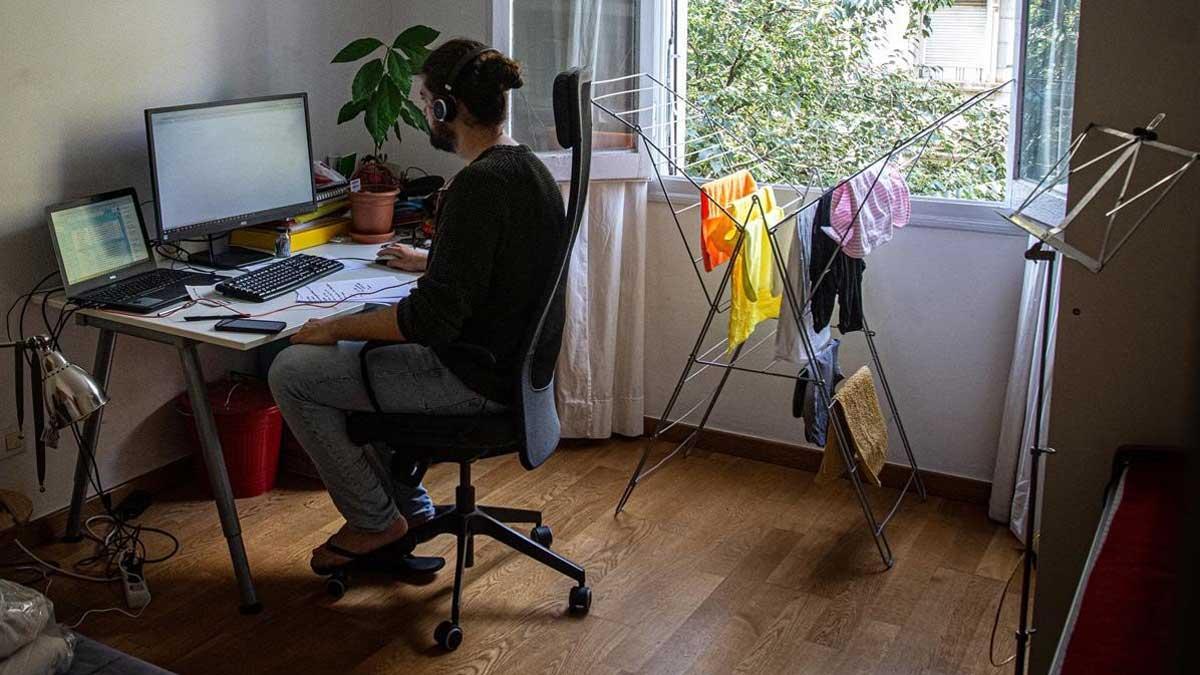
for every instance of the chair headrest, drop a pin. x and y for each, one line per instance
(567, 87)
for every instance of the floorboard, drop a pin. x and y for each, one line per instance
(718, 564)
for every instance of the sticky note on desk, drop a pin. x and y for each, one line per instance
(359, 290)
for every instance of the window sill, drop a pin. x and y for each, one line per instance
(942, 214)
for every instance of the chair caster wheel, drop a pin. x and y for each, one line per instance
(581, 600)
(542, 535)
(335, 586)
(448, 635)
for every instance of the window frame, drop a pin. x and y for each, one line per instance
(662, 38)
(652, 54)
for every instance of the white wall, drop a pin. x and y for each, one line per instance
(76, 76)
(943, 304)
(1127, 366)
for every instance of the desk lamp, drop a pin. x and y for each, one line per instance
(1051, 242)
(60, 388)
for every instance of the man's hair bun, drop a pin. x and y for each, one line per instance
(502, 70)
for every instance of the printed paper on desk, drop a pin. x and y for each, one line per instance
(198, 292)
(358, 290)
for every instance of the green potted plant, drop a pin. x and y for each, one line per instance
(380, 92)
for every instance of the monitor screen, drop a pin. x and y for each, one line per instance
(221, 166)
(99, 238)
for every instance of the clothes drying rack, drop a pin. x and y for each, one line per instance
(642, 121)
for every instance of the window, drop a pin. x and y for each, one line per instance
(612, 37)
(822, 87)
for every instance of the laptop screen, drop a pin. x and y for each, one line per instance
(99, 238)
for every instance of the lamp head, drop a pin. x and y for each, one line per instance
(70, 394)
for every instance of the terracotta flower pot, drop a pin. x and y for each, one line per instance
(371, 212)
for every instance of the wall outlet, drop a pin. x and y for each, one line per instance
(14, 443)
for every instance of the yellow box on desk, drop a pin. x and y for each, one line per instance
(286, 241)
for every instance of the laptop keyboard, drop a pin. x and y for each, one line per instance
(147, 282)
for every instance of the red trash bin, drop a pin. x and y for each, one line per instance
(250, 428)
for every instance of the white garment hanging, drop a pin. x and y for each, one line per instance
(600, 374)
(788, 345)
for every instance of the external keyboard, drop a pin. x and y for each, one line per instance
(279, 277)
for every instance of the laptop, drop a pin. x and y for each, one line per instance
(105, 257)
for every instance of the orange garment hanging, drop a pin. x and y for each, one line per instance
(715, 243)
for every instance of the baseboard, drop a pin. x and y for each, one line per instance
(808, 458)
(50, 527)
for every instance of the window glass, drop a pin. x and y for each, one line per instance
(1048, 91)
(823, 87)
(550, 36)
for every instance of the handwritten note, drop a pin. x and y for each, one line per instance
(358, 290)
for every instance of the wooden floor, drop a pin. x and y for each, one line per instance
(718, 565)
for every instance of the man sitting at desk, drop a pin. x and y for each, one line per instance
(461, 327)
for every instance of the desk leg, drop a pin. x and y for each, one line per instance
(210, 447)
(91, 436)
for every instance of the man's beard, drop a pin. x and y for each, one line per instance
(441, 137)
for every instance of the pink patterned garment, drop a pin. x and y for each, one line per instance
(885, 206)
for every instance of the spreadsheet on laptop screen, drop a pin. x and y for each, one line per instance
(97, 239)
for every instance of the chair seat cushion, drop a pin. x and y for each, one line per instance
(446, 438)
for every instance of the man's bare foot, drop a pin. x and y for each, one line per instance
(355, 541)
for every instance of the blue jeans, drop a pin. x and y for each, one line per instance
(315, 387)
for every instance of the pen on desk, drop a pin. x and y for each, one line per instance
(213, 317)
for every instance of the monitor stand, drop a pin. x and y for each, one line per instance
(233, 257)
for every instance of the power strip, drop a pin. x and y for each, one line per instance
(137, 593)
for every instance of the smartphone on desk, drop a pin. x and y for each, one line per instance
(250, 326)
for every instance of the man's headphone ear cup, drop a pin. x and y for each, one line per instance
(443, 109)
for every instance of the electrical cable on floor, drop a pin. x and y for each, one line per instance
(999, 609)
(106, 610)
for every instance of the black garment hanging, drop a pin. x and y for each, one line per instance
(843, 282)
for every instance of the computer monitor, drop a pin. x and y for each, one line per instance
(219, 166)
(99, 240)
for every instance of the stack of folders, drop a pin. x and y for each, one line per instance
(285, 237)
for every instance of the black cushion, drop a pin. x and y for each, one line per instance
(445, 438)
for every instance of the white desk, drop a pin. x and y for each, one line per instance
(184, 336)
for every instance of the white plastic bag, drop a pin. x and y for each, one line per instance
(30, 641)
(50, 653)
(24, 612)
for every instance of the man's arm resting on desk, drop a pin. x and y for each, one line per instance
(379, 324)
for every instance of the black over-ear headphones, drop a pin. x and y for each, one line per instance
(444, 109)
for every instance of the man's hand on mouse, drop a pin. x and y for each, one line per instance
(403, 257)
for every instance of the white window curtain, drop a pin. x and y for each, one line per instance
(1010, 481)
(600, 375)
(1046, 100)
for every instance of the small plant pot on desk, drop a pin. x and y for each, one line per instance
(371, 212)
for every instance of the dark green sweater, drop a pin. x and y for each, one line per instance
(501, 221)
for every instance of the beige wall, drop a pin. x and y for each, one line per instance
(1126, 369)
(76, 76)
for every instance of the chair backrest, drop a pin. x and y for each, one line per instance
(539, 416)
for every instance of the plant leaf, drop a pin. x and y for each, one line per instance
(414, 117)
(415, 36)
(351, 110)
(416, 56)
(357, 49)
(391, 101)
(399, 72)
(371, 120)
(367, 80)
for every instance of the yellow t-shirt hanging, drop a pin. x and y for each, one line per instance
(754, 295)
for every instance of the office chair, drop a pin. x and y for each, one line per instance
(530, 427)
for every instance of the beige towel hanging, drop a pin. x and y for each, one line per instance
(856, 406)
